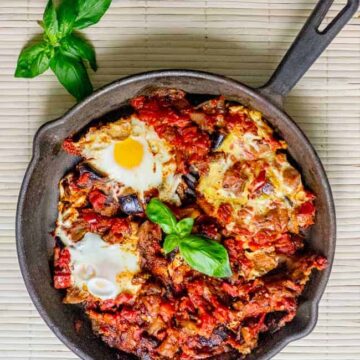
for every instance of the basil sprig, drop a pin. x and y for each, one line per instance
(62, 50)
(202, 254)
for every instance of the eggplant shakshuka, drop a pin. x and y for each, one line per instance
(181, 230)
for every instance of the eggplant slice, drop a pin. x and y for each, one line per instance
(217, 139)
(130, 204)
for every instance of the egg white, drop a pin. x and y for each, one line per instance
(104, 270)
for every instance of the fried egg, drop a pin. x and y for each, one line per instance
(102, 269)
(131, 153)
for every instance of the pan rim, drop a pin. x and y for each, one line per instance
(102, 92)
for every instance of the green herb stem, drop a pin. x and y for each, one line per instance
(202, 254)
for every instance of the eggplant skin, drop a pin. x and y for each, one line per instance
(86, 168)
(216, 140)
(190, 180)
(130, 204)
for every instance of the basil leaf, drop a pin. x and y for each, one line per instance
(80, 49)
(160, 214)
(184, 226)
(170, 243)
(206, 256)
(72, 75)
(33, 60)
(90, 12)
(66, 14)
(50, 22)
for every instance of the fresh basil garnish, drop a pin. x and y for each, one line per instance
(205, 255)
(33, 60)
(72, 75)
(202, 254)
(80, 49)
(66, 14)
(160, 214)
(90, 12)
(171, 242)
(63, 51)
(184, 226)
(50, 22)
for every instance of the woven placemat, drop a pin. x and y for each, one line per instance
(243, 39)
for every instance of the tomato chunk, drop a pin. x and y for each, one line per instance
(69, 146)
(97, 200)
(62, 276)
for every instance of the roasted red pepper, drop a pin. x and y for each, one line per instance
(62, 272)
(70, 148)
(305, 214)
(260, 181)
(120, 226)
(97, 200)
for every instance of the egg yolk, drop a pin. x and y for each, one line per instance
(128, 153)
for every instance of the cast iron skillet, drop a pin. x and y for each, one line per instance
(36, 212)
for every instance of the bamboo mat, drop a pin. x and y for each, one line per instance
(243, 39)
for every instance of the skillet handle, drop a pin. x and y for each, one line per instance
(307, 47)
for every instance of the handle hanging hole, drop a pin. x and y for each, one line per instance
(336, 8)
